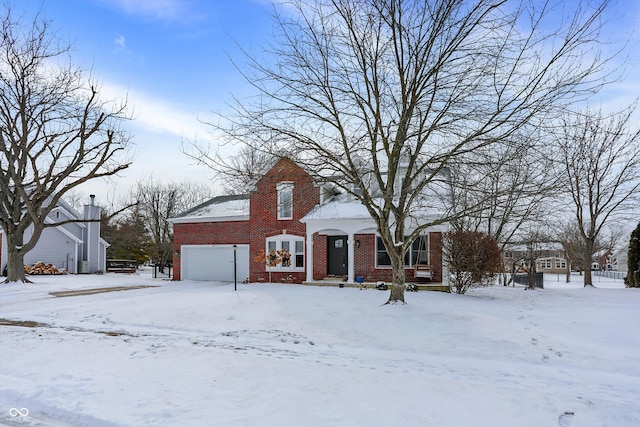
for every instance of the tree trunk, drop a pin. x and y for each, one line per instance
(588, 251)
(398, 277)
(587, 277)
(531, 278)
(15, 266)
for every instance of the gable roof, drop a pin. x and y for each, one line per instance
(222, 208)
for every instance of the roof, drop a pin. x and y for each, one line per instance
(344, 206)
(338, 209)
(222, 208)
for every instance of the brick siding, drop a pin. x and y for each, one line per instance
(207, 233)
(264, 215)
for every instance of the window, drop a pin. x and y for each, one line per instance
(291, 251)
(418, 253)
(286, 253)
(545, 263)
(285, 200)
(561, 263)
(299, 254)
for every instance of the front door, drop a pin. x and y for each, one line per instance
(337, 261)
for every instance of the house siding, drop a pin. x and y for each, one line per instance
(319, 256)
(53, 248)
(91, 247)
(435, 256)
(67, 244)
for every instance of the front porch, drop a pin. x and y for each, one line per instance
(342, 245)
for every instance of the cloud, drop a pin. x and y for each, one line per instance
(160, 10)
(158, 127)
(157, 115)
(120, 42)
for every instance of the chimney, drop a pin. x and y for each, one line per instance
(93, 198)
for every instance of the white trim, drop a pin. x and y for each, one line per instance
(200, 219)
(278, 239)
(284, 185)
(72, 214)
(63, 230)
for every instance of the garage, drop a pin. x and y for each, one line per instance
(214, 262)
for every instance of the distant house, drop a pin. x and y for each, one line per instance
(326, 234)
(621, 259)
(606, 260)
(75, 246)
(548, 258)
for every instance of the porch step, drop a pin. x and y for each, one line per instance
(335, 279)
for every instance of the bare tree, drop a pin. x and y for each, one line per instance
(600, 159)
(536, 243)
(503, 190)
(55, 133)
(572, 246)
(156, 203)
(380, 96)
(238, 171)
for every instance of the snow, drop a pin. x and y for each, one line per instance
(338, 209)
(199, 353)
(216, 210)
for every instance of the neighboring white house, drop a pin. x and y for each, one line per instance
(75, 246)
(621, 257)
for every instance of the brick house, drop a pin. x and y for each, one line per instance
(327, 234)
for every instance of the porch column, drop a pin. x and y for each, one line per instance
(351, 277)
(309, 258)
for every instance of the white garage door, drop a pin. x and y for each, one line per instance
(214, 262)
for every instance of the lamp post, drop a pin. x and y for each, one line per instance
(235, 270)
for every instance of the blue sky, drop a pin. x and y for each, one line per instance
(171, 58)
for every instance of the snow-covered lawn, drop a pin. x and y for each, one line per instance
(202, 354)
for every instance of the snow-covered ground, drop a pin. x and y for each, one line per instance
(202, 354)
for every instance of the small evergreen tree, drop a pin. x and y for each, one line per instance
(633, 260)
(127, 237)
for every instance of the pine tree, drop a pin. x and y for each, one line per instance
(633, 259)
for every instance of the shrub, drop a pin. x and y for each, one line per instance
(473, 259)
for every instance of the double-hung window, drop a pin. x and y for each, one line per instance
(285, 200)
(418, 253)
(544, 263)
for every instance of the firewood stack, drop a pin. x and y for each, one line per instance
(42, 268)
